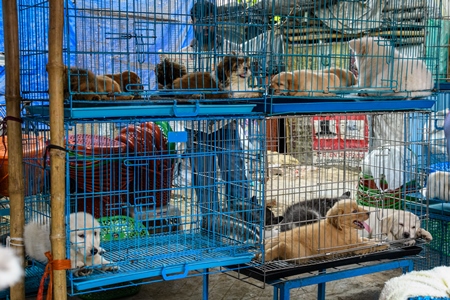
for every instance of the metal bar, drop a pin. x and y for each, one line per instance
(285, 286)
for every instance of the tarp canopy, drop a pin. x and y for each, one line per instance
(118, 35)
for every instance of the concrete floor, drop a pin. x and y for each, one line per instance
(225, 287)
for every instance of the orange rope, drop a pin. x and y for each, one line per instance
(62, 264)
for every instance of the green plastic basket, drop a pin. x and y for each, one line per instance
(118, 228)
(369, 195)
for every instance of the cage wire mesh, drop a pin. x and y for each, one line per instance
(126, 52)
(363, 173)
(165, 196)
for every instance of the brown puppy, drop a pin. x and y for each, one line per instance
(233, 73)
(203, 82)
(304, 83)
(346, 77)
(382, 68)
(337, 233)
(167, 71)
(81, 80)
(127, 78)
(107, 85)
(84, 85)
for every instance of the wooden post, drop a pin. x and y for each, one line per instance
(55, 70)
(14, 129)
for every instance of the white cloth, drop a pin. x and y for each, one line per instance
(432, 283)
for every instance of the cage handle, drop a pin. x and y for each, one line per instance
(174, 276)
(186, 114)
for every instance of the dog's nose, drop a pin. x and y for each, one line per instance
(94, 251)
(406, 235)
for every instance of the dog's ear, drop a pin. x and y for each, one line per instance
(358, 46)
(334, 217)
(386, 224)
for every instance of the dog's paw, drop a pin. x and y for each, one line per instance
(110, 268)
(425, 235)
(82, 272)
(409, 243)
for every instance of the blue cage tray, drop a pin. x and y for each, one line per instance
(115, 111)
(172, 257)
(290, 106)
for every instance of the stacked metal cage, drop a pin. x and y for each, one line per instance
(158, 218)
(166, 136)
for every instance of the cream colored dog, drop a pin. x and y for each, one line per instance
(346, 77)
(382, 68)
(395, 225)
(304, 83)
(438, 185)
(337, 233)
(85, 247)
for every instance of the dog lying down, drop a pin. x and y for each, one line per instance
(382, 68)
(228, 80)
(337, 233)
(303, 83)
(395, 225)
(85, 85)
(85, 247)
(438, 185)
(428, 284)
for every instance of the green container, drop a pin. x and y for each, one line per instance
(369, 195)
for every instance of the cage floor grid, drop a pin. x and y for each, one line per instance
(170, 256)
(273, 271)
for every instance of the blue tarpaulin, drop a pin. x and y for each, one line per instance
(103, 36)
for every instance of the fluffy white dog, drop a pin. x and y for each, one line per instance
(10, 268)
(438, 185)
(396, 225)
(382, 67)
(431, 283)
(85, 247)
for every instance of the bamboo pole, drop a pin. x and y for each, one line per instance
(57, 157)
(15, 155)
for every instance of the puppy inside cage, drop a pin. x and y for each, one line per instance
(128, 186)
(354, 192)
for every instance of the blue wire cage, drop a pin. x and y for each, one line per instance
(124, 52)
(171, 196)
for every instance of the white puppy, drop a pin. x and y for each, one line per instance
(396, 225)
(381, 67)
(10, 268)
(85, 247)
(438, 185)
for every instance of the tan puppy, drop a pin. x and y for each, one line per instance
(84, 85)
(304, 83)
(107, 85)
(128, 80)
(381, 67)
(346, 77)
(338, 232)
(202, 81)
